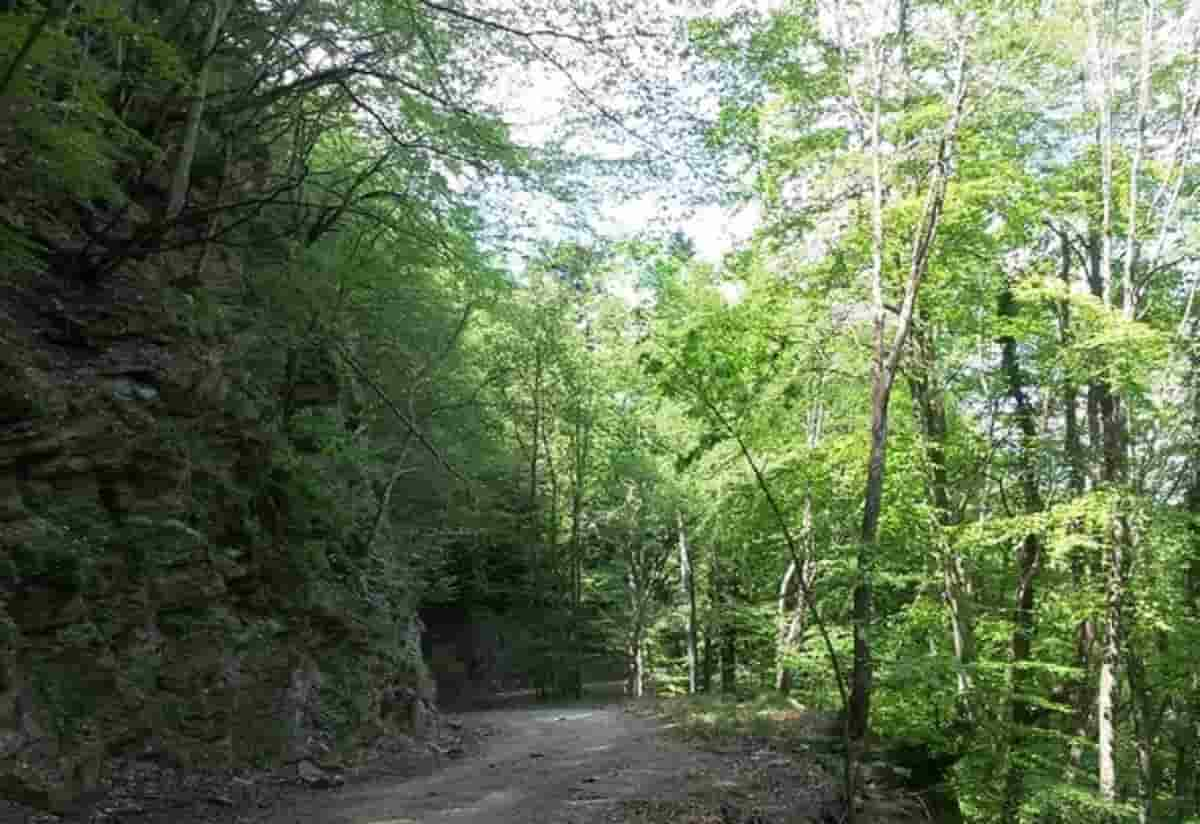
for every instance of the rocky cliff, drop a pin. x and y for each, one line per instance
(171, 579)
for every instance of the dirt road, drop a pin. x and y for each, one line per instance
(522, 764)
(566, 765)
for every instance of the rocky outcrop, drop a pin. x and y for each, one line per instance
(160, 591)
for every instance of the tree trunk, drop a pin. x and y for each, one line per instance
(1021, 711)
(636, 660)
(794, 640)
(859, 710)
(1129, 296)
(1187, 794)
(793, 609)
(862, 676)
(1021, 714)
(640, 670)
(887, 355)
(1146, 723)
(930, 402)
(182, 174)
(537, 590)
(637, 664)
(577, 625)
(728, 658)
(787, 619)
(687, 580)
(1100, 69)
(706, 671)
(1106, 698)
(1081, 720)
(1114, 596)
(580, 465)
(1117, 560)
(1077, 461)
(385, 500)
(1187, 707)
(796, 588)
(729, 639)
(1085, 632)
(715, 630)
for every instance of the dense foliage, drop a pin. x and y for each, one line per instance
(921, 449)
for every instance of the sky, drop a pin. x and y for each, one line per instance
(714, 229)
(535, 100)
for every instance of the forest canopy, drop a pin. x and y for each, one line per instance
(846, 350)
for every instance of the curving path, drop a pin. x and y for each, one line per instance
(567, 765)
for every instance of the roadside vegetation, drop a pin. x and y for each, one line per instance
(327, 379)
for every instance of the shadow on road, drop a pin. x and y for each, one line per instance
(596, 694)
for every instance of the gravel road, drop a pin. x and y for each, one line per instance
(566, 765)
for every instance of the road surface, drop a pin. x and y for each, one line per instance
(567, 765)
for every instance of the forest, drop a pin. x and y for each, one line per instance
(845, 350)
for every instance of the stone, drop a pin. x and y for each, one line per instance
(128, 389)
(176, 622)
(145, 392)
(311, 775)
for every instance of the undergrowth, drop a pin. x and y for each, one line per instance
(769, 719)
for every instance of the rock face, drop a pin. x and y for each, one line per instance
(162, 589)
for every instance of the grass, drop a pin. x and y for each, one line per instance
(773, 766)
(768, 719)
(669, 812)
